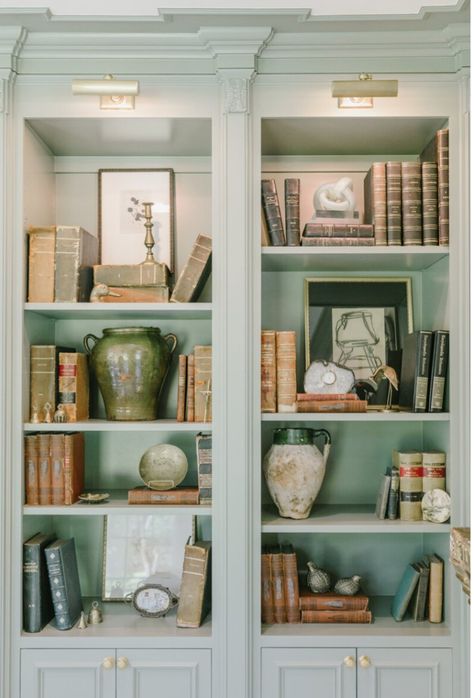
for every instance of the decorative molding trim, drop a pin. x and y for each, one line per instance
(12, 40)
(235, 40)
(236, 90)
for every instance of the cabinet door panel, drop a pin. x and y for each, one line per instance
(71, 673)
(411, 673)
(319, 673)
(164, 673)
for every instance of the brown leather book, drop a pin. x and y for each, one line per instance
(442, 158)
(44, 462)
(74, 386)
(41, 264)
(73, 466)
(203, 383)
(268, 371)
(131, 294)
(332, 602)
(429, 202)
(286, 371)
(57, 468)
(44, 379)
(324, 397)
(332, 406)
(278, 589)
(195, 272)
(411, 203)
(336, 616)
(272, 211)
(131, 275)
(267, 586)
(195, 595)
(180, 495)
(394, 203)
(291, 584)
(411, 485)
(76, 251)
(190, 390)
(375, 201)
(204, 466)
(31, 470)
(180, 411)
(338, 242)
(338, 230)
(292, 211)
(435, 593)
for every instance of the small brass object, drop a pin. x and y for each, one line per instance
(82, 625)
(95, 614)
(60, 415)
(48, 412)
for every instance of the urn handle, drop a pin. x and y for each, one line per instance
(171, 339)
(87, 339)
(322, 432)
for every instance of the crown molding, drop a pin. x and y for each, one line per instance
(12, 40)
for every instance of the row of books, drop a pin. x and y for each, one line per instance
(194, 403)
(54, 468)
(424, 371)
(420, 592)
(412, 474)
(59, 379)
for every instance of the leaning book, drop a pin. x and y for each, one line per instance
(37, 602)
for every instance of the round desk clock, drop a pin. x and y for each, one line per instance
(153, 600)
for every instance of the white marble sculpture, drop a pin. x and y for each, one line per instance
(335, 196)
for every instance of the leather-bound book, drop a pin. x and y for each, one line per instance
(332, 406)
(429, 199)
(439, 371)
(74, 386)
(411, 203)
(57, 468)
(375, 201)
(204, 466)
(31, 469)
(44, 467)
(76, 252)
(73, 466)
(271, 209)
(325, 397)
(336, 616)
(278, 589)
(415, 374)
(195, 272)
(411, 485)
(434, 470)
(203, 383)
(37, 602)
(292, 211)
(420, 597)
(41, 253)
(44, 379)
(291, 584)
(268, 371)
(267, 586)
(64, 581)
(442, 158)
(435, 589)
(328, 601)
(338, 230)
(195, 595)
(394, 203)
(131, 275)
(180, 495)
(286, 371)
(181, 408)
(393, 504)
(338, 242)
(404, 592)
(190, 390)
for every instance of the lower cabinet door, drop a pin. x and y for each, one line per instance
(404, 673)
(68, 673)
(305, 673)
(163, 674)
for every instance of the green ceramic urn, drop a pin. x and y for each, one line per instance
(130, 364)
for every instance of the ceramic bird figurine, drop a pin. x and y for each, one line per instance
(100, 291)
(348, 585)
(318, 579)
(387, 373)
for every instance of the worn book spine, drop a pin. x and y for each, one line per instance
(131, 275)
(286, 371)
(439, 371)
(41, 264)
(271, 209)
(267, 587)
(278, 589)
(404, 592)
(76, 252)
(393, 504)
(336, 616)
(291, 584)
(415, 373)
(44, 466)
(190, 390)
(429, 198)
(382, 496)
(73, 467)
(180, 495)
(435, 592)
(204, 465)
(338, 230)
(421, 593)
(338, 242)
(442, 158)
(375, 198)
(332, 406)
(434, 470)
(195, 272)
(329, 601)
(37, 602)
(264, 234)
(411, 203)
(268, 371)
(203, 383)
(324, 397)
(394, 203)
(195, 594)
(74, 386)
(181, 408)
(292, 211)
(42, 380)
(411, 485)
(31, 470)
(57, 468)
(64, 581)
(133, 294)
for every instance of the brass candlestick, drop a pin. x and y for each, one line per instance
(149, 239)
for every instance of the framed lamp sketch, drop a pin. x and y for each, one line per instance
(358, 322)
(122, 194)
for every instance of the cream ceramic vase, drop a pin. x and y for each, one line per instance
(294, 469)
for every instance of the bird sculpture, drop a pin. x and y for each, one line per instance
(387, 373)
(348, 585)
(100, 291)
(318, 579)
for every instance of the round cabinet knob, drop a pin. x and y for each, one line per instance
(364, 662)
(122, 662)
(349, 662)
(108, 663)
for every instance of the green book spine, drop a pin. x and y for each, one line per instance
(64, 582)
(37, 603)
(404, 593)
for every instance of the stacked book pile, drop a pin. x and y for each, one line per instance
(334, 608)
(420, 592)
(195, 386)
(337, 229)
(322, 402)
(54, 468)
(424, 371)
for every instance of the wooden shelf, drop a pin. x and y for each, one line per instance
(351, 259)
(344, 519)
(392, 417)
(104, 425)
(121, 311)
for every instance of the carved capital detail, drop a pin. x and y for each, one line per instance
(236, 90)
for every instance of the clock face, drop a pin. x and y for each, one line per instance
(152, 600)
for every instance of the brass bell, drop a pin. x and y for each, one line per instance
(95, 614)
(82, 625)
